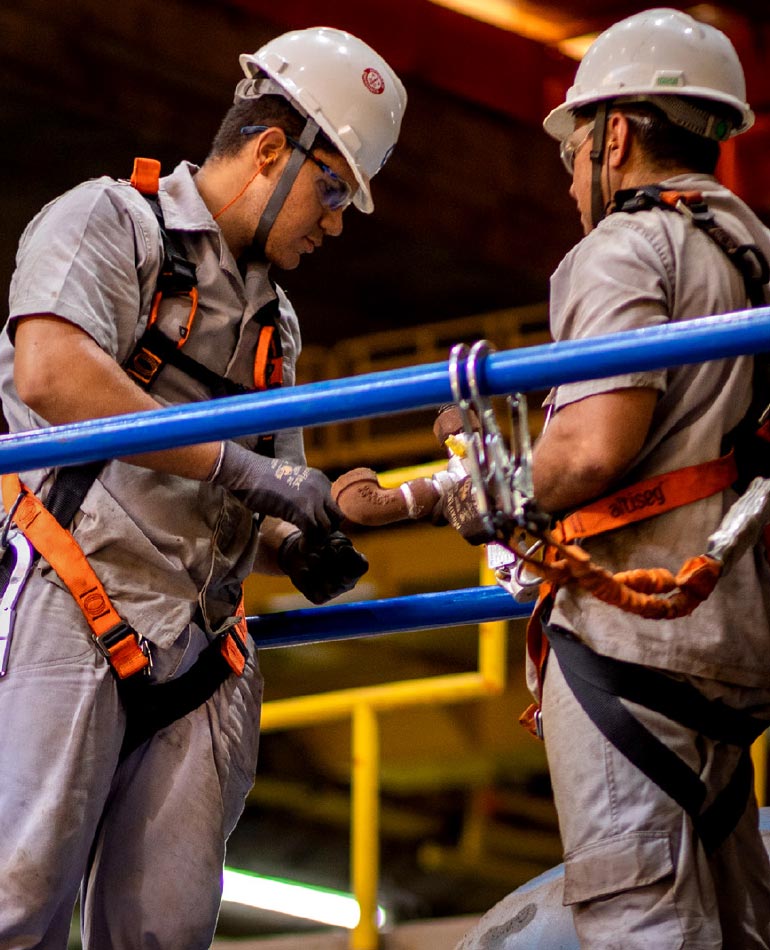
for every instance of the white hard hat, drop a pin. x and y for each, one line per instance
(666, 57)
(341, 83)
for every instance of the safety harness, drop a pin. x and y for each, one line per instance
(177, 278)
(149, 707)
(599, 682)
(747, 258)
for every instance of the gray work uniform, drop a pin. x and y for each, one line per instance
(146, 835)
(634, 868)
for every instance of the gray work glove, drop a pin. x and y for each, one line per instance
(323, 572)
(279, 488)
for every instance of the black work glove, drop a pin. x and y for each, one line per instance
(325, 571)
(460, 510)
(279, 488)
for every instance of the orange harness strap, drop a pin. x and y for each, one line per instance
(646, 499)
(116, 639)
(234, 643)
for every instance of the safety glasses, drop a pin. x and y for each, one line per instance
(334, 192)
(572, 144)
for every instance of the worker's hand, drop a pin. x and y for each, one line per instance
(461, 511)
(279, 488)
(323, 572)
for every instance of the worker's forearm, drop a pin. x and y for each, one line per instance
(64, 377)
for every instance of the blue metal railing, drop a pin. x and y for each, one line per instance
(450, 608)
(372, 394)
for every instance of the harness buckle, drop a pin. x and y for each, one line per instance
(146, 647)
(107, 642)
(144, 366)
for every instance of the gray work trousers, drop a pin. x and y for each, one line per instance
(635, 873)
(146, 836)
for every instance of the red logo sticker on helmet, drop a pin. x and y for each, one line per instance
(373, 81)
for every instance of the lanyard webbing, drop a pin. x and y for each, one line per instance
(649, 498)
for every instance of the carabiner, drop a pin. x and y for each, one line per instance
(475, 456)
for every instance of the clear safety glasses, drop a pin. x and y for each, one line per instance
(572, 144)
(334, 192)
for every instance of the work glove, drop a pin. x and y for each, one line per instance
(459, 508)
(321, 572)
(279, 488)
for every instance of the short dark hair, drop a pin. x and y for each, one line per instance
(270, 110)
(667, 144)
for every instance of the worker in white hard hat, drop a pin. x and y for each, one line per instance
(648, 723)
(130, 692)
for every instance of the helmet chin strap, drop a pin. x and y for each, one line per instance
(598, 203)
(282, 188)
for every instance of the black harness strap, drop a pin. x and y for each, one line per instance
(747, 258)
(155, 350)
(70, 487)
(750, 439)
(177, 274)
(599, 682)
(151, 707)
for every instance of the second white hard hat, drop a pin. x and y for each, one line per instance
(666, 57)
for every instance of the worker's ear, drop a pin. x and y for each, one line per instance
(619, 138)
(269, 147)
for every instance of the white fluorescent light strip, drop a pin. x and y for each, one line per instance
(293, 899)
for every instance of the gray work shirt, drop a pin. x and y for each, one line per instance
(646, 269)
(160, 544)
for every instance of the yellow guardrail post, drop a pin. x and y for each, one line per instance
(365, 824)
(493, 642)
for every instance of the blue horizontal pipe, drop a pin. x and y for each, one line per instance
(373, 394)
(415, 612)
